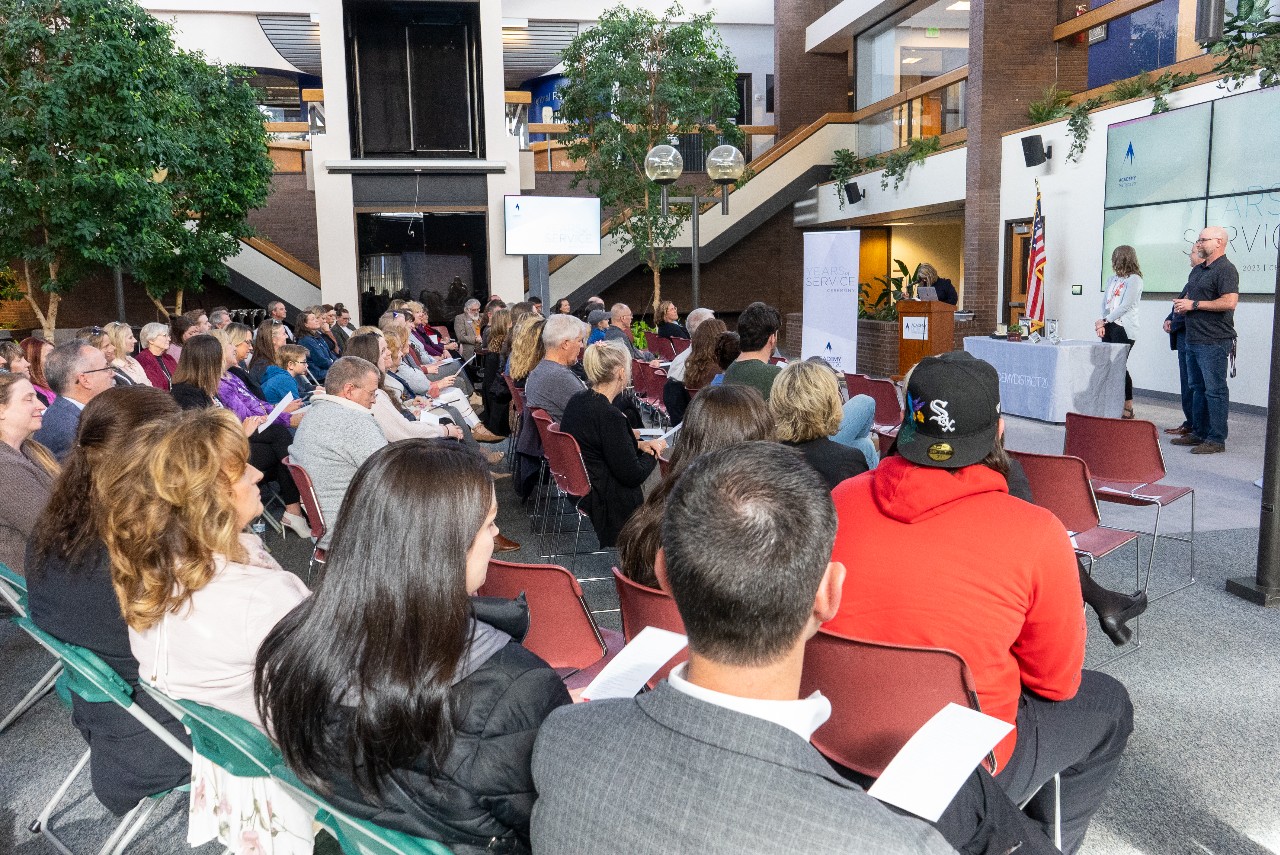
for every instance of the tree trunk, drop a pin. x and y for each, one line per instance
(159, 306)
(177, 304)
(48, 319)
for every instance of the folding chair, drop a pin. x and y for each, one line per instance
(680, 345)
(661, 347)
(883, 392)
(562, 630)
(88, 677)
(1125, 464)
(643, 606)
(564, 459)
(311, 504)
(542, 498)
(354, 836)
(881, 694)
(517, 407)
(13, 590)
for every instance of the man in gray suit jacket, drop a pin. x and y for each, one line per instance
(77, 371)
(717, 759)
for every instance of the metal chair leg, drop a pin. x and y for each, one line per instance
(42, 687)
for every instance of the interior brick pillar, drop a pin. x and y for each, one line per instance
(805, 85)
(1011, 63)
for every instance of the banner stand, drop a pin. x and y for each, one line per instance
(831, 298)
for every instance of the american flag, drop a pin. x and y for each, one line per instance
(1035, 267)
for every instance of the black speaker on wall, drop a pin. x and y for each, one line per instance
(1034, 151)
(1209, 17)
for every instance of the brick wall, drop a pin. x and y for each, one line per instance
(289, 218)
(1008, 68)
(805, 85)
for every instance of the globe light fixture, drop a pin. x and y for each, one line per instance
(725, 164)
(663, 164)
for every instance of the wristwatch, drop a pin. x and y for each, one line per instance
(1195, 305)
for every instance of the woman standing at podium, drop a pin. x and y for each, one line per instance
(1119, 321)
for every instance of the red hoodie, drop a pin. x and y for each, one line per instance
(940, 558)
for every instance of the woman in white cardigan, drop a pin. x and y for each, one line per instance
(1119, 321)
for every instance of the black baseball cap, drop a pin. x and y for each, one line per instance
(952, 411)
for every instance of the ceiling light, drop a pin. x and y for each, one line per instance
(959, 6)
(910, 59)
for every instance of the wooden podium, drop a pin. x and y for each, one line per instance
(925, 328)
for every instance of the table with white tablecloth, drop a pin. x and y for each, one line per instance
(1046, 381)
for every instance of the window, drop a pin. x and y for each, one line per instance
(919, 43)
(1144, 40)
(415, 72)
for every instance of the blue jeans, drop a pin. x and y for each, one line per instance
(1184, 381)
(1207, 380)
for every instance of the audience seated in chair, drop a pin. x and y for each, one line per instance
(308, 334)
(857, 417)
(717, 758)
(806, 407)
(719, 417)
(495, 394)
(548, 384)
(676, 392)
(617, 464)
(70, 595)
(268, 338)
(758, 337)
(391, 691)
(27, 468)
(77, 372)
(924, 539)
(36, 352)
(282, 378)
(122, 337)
(619, 330)
(339, 433)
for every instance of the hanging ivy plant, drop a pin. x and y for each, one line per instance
(1250, 43)
(845, 166)
(899, 163)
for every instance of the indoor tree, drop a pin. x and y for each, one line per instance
(117, 150)
(632, 82)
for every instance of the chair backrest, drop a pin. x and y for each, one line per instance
(307, 495)
(680, 345)
(640, 377)
(564, 459)
(880, 695)
(1122, 450)
(642, 606)
(561, 629)
(1061, 484)
(226, 740)
(662, 347)
(517, 394)
(541, 421)
(354, 836)
(883, 392)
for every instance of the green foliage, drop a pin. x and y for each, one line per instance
(845, 165)
(631, 82)
(96, 99)
(638, 329)
(1143, 86)
(9, 287)
(1079, 125)
(1250, 42)
(897, 164)
(1055, 104)
(883, 306)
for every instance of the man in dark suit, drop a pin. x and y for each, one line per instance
(77, 371)
(717, 759)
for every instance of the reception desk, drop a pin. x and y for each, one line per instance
(1046, 381)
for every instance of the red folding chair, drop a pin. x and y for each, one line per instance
(680, 345)
(881, 694)
(659, 346)
(564, 459)
(643, 606)
(1125, 464)
(561, 629)
(517, 406)
(310, 504)
(883, 392)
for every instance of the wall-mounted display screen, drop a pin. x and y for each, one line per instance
(1158, 158)
(552, 225)
(1170, 175)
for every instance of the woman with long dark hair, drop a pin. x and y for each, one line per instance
(718, 417)
(309, 335)
(36, 350)
(70, 597)
(391, 690)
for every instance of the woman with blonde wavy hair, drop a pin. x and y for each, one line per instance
(805, 404)
(198, 592)
(527, 349)
(121, 335)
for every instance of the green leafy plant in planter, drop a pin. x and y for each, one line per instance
(638, 329)
(897, 164)
(1144, 86)
(1055, 104)
(883, 307)
(845, 165)
(1250, 42)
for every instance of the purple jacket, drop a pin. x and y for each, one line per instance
(236, 397)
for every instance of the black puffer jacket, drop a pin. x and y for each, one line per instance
(483, 797)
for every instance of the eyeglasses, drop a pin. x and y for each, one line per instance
(96, 370)
(96, 331)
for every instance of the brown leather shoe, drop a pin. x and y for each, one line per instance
(1209, 448)
(1186, 439)
(494, 457)
(480, 433)
(502, 543)
(1180, 430)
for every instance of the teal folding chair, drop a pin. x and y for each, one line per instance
(13, 590)
(89, 678)
(356, 836)
(237, 746)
